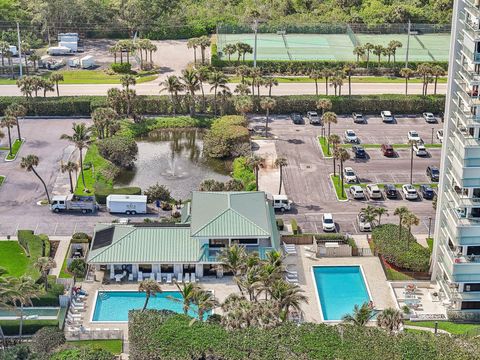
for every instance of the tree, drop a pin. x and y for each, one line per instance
(69, 167)
(368, 48)
(348, 70)
(44, 265)
(203, 74)
(378, 50)
(217, 80)
(394, 45)
(224, 95)
(22, 292)
(324, 104)
(255, 73)
(9, 56)
(401, 212)
(78, 268)
(315, 75)
(233, 260)
(47, 339)
(270, 82)
(120, 150)
(287, 296)
(55, 78)
(425, 71)
(205, 302)
(337, 83)
(380, 211)
(17, 111)
(411, 143)
(4, 47)
(229, 50)
(242, 50)
(267, 104)
(191, 83)
(193, 43)
(204, 42)
(47, 86)
(329, 118)
(361, 315)
(34, 58)
(150, 288)
(281, 162)
(242, 89)
(80, 138)
(243, 104)
(25, 86)
(157, 192)
(359, 52)
(105, 122)
(326, 74)
(188, 291)
(256, 162)
(30, 162)
(409, 220)
(369, 214)
(342, 156)
(406, 73)
(9, 121)
(390, 319)
(172, 85)
(334, 140)
(128, 80)
(437, 71)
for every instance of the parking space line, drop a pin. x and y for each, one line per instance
(355, 227)
(55, 231)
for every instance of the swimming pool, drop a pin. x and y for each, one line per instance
(113, 306)
(339, 289)
(44, 313)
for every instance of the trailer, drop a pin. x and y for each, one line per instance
(71, 202)
(58, 50)
(72, 45)
(13, 50)
(127, 204)
(87, 62)
(68, 37)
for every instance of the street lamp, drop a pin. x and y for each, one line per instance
(429, 225)
(433, 129)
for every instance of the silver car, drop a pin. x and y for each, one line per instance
(363, 224)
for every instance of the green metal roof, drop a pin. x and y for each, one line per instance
(230, 214)
(133, 244)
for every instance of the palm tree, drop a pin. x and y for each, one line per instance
(425, 71)
(17, 111)
(9, 56)
(69, 167)
(243, 104)
(326, 74)
(150, 288)
(267, 104)
(287, 296)
(255, 73)
(406, 73)
(408, 220)
(104, 121)
(324, 104)
(204, 42)
(390, 319)
(9, 121)
(329, 118)
(401, 212)
(394, 45)
(361, 315)
(348, 70)
(191, 83)
(342, 156)
(205, 302)
(369, 214)
(233, 259)
(4, 47)
(337, 83)
(187, 291)
(378, 51)
(256, 162)
(280, 162)
(315, 75)
(217, 80)
(334, 140)
(242, 89)
(368, 48)
(411, 143)
(172, 85)
(229, 50)
(29, 163)
(380, 211)
(47, 85)
(55, 78)
(193, 44)
(359, 52)
(224, 95)
(81, 138)
(250, 282)
(437, 71)
(44, 265)
(243, 71)
(203, 74)
(270, 82)
(128, 80)
(25, 86)
(151, 48)
(21, 293)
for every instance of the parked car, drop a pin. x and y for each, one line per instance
(327, 222)
(281, 202)
(387, 116)
(433, 173)
(420, 150)
(409, 192)
(297, 118)
(373, 191)
(358, 118)
(349, 175)
(440, 135)
(390, 191)
(427, 192)
(357, 192)
(313, 117)
(363, 224)
(429, 117)
(412, 135)
(359, 152)
(350, 136)
(387, 150)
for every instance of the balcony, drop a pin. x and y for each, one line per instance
(461, 268)
(472, 9)
(462, 201)
(472, 29)
(467, 73)
(210, 254)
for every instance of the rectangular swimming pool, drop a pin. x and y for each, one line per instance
(339, 289)
(113, 306)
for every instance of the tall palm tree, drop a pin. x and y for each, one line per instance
(243, 104)
(406, 73)
(409, 220)
(203, 74)
(69, 167)
(368, 48)
(269, 82)
(229, 50)
(315, 75)
(394, 45)
(204, 42)
(256, 162)
(187, 291)
(217, 80)
(22, 292)
(172, 85)
(337, 83)
(193, 43)
(242, 89)
(224, 95)
(250, 282)
(17, 111)
(437, 71)
(205, 302)
(390, 319)
(191, 83)
(334, 140)
(380, 211)
(30, 162)
(369, 214)
(55, 78)
(401, 212)
(44, 265)
(324, 105)
(47, 86)
(267, 104)
(343, 156)
(9, 121)
(243, 71)
(268, 274)
(348, 71)
(4, 47)
(81, 139)
(361, 315)
(150, 288)
(233, 260)
(287, 296)
(281, 162)
(255, 74)
(326, 74)
(378, 51)
(104, 119)
(25, 86)
(329, 118)
(128, 80)
(425, 71)
(359, 52)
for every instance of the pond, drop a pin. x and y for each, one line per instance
(173, 158)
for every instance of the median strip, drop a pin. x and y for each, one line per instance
(15, 149)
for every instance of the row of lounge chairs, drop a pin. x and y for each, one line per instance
(168, 278)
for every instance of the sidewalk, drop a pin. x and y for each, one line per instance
(269, 175)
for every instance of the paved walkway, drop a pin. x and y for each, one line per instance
(440, 331)
(269, 175)
(62, 250)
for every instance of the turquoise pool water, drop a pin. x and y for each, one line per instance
(31, 311)
(114, 305)
(339, 289)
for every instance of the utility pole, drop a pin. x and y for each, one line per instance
(255, 28)
(19, 49)
(408, 43)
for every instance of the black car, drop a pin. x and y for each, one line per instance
(297, 118)
(433, 173)
(427, 192)
(390, 191)
(359, 152)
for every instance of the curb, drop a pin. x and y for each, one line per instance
(331, 182)
(4, 180)
(15, 157)
(321, 150)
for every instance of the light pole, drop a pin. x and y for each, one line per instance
(429, 225)
(408, 44)
(19, 50)
(433, 129)
(411, 162)
(255, 29)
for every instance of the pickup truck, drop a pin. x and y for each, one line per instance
(84, 204)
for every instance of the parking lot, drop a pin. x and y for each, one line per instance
(307, 180)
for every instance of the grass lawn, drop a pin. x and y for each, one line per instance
(323, 143)
(13, 258)
(338, 187)
(98, 163)
(15, 149)
(452, 328)
(64, 274)
(2, 179)
(355, 79)
(393, 274)
(430, 244)
(114, 346)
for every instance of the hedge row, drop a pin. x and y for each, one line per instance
(157, 105)
(30, 327)
(101, 195)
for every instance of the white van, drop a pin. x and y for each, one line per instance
(281, 202)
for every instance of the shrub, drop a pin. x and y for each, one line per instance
(50, 298)
(47, 339)
(81, 237)
(121, 151)
(329, 237)
(394, 251)
(295, 227)
(24, 237)
(157, 192)
(30, 327)
(243, 172)
(227, 137)
(122, 68)
(83, 353)
(280, 224)
(78, 267)
(101, 193)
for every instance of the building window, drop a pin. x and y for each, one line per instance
(473, 250)
(471, 287)
(166, 268)
(245, 241)
(470, 305)
(218, 242)
(145, 268)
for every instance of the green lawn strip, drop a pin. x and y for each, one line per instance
(323, 143)
(452, 328)
(2, 180)
(114, 346)
(93, 173)
(13, 258)
(15, 149)
(393, 275)
(64, 274)
(30, 327)
(355, 79)
(338, 188)
(430, 244)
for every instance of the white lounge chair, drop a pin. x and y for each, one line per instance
(192, 277)
(187, 278)
(292, 281)
(152, 276)
(310, 249)
(130, 277)
(311, 256)
(77, 306)
(140, 276)
(291, 272)
(159, 277)
(180, 277)
(169, 278)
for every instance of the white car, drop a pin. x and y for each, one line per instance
(327, 222)
(313, 117)
(386, 116)
(440, 135)
(349, 175)
(350, 136)
(373, 191)
(429, 117)
(409, 192)
(357, 192)
(420, 150)
(412, 135)
(363, 224)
